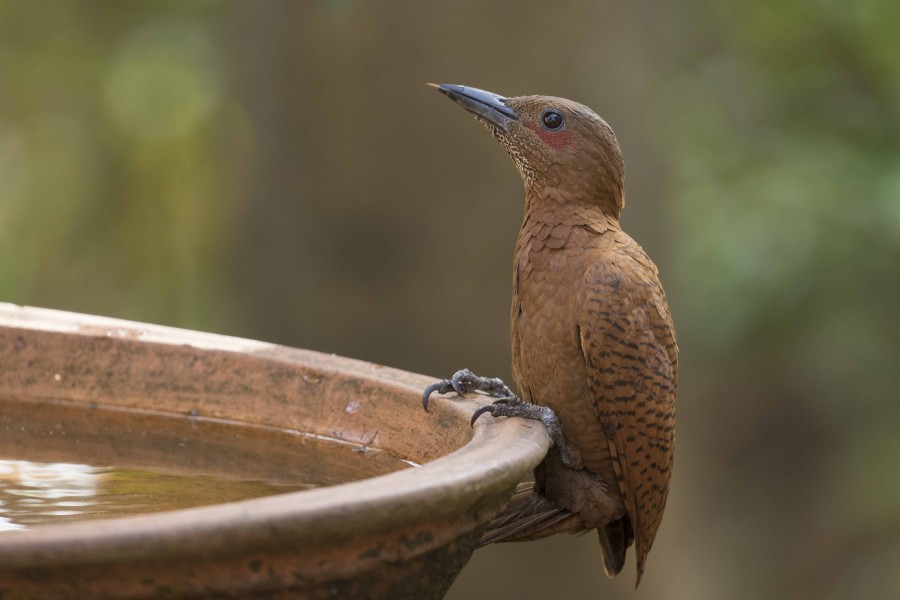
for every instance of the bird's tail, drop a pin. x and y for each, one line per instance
(529, 516)
(615, 538)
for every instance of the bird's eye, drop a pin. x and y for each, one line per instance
(552, 120)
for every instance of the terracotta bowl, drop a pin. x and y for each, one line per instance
(404, 534)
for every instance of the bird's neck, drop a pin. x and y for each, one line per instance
(555, 207)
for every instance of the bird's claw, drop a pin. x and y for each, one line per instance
(515, 407)
(441, 387)
(485, 408)
(464, 381)
(506, 404)
(493, 407)
(460, 382)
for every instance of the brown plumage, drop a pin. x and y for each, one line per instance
(592, 336)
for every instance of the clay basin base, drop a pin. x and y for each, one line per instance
(391, 534)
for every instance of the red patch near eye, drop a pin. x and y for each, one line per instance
(555, 139)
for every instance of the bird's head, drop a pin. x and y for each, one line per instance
(561, 148)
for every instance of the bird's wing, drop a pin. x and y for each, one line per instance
(628, 343)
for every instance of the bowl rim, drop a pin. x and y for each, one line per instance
(500, 453)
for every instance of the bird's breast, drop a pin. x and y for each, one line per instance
(547, 359)
(543, 321)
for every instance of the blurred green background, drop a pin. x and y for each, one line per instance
(277, 170)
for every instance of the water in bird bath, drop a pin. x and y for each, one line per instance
(65, 462)
(34, 493)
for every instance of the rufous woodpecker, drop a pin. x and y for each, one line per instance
(594, 355)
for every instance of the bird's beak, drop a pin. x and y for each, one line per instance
(487, 105)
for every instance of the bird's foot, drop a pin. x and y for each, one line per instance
(465, 381)
(506, 404)
(515, 407)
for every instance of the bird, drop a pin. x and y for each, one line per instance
(594, 351)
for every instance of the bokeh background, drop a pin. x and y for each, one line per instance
(277, 170)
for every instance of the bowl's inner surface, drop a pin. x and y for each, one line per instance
(64, 461)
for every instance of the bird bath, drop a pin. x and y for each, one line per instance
(255, 419)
